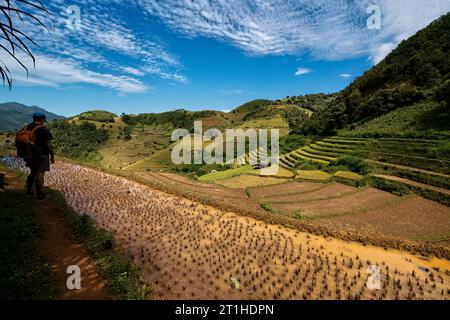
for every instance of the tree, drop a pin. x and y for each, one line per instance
(13, 40)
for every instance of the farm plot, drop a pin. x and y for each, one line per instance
(366, 199)
(192, 251)
(330, 191)
(414, 218)
(214, 194)
(246, 181)
(262, 193)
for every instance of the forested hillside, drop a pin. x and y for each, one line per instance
(418, 70)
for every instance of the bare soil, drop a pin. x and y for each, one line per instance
(191, 251)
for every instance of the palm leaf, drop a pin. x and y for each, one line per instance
(11, 38)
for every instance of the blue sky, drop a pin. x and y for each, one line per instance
(151, 56)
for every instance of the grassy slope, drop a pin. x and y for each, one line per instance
(24, 273)
(145, 141)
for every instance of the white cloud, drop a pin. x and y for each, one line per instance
(54, 72)
(325, 29)
(380, 52)
(133, 71)
(345, 75)
(302, 71)
(230, 91)
(102, 53)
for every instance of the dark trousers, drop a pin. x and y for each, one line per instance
(36, 178)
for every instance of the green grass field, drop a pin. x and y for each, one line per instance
(220, 175)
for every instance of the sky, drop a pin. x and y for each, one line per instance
(141, 56)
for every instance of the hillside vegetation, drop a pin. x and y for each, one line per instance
(419, 69)
(98, 115)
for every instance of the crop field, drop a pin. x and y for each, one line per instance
(414, 218)
(247, 181)
(226, 174)
(282, 173)
(262, 193)
(316, 175)
(271, 123)
(367, 209)
(366, 199)
(329, 191)
(232, 199)
(193, 251)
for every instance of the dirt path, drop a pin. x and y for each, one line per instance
(62, 250)
(414, 183)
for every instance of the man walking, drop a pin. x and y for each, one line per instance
(34, 144)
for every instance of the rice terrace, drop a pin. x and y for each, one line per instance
(343, 195)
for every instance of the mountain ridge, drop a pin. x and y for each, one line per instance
(15, 115)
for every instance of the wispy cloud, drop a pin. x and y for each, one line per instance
(325, 29)
(229, 90)
(106, 50)
(302, 71)
(56, 72)
(345, 75)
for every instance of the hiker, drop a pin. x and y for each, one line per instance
(34, 145)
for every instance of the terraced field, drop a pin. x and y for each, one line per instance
(367, 210)
(193, 251)
(416, 153)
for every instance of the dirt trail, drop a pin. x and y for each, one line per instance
(62, 250)
(194, 251)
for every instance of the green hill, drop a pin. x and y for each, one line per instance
(418, 70)
(15, 115)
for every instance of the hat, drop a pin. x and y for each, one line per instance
(39, 115)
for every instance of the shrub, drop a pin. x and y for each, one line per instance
(352, 163)
(97, 115)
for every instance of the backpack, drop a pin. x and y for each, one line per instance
(25, 142)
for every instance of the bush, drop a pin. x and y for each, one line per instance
(78, 141)
(352, 163)
(396, 188)
(97, 115)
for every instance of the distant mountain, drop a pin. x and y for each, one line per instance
(15, 115)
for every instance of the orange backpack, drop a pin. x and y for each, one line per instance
(25, 142)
